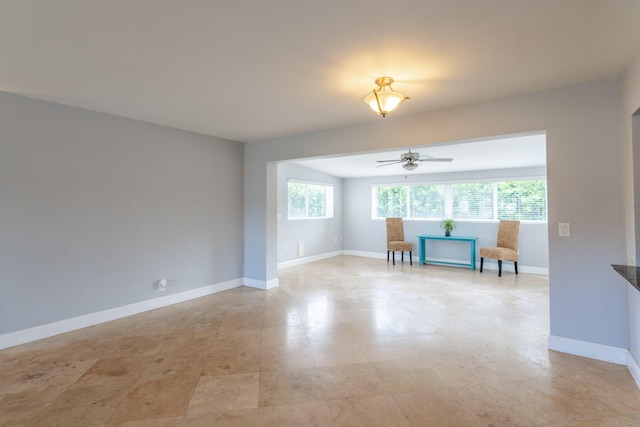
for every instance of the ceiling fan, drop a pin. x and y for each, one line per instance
(411, 160)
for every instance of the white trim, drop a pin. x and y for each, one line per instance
(487, 266)
(491, 265)
(302, 181)
(306, 260)
(364, 254)
(50, 329)
(633, 368)
(591, 350)
(261, 284)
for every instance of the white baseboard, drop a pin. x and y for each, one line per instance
(633, 368)
(591, 350)
(306, 260)
(50, 329)
(365, 254)
(261, 284)
(508, 266)
(487, 265)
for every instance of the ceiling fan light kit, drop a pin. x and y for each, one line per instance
(410, 166)
(384, 100)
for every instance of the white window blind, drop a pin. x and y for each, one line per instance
(524, 200)
(309, 200)
(472, 200)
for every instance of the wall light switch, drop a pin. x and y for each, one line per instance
(564, 229)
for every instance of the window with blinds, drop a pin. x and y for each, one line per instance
(309, 200)
(472, 200)
(524, 200)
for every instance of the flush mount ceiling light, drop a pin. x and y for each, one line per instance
(384, 100)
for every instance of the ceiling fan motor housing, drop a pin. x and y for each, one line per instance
(410, 156)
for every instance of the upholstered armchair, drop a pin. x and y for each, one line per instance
(506, 248)
(395, 240)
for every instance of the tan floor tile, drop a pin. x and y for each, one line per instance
(237, 418)
(405, 375)
(370, 411)
(313, 414)
(53, 378)
(527, 403)
(233, 337)
(225, 393)
(240, 321)
(155, 399)
(232, 359)
(622, 421)
(285, 357)
(139, 345)
(390, 349)
(289, 387)
(284, 335)
(163, 368)
(83, 406)
(18, 409)
(287, 316)
(437, 408)
(117, 370)
(154, 422)
(354, 380)
(459, 371)
(89, 349)
(337, 354)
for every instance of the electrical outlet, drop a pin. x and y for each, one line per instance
(162, 285)
(564, 229)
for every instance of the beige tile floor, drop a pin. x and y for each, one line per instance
(346, 341)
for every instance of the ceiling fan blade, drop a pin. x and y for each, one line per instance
(437, 159)
(385, 161)
(395, 162)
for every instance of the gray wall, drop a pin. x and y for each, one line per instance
(584, 175)
(631, 185)
(317, 234)
(362, 233)
(95, 208)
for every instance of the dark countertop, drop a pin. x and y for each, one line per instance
(629, 272)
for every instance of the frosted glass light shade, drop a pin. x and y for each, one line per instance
(384, 100)
(410, 166)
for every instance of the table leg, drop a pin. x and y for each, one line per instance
(472, 255)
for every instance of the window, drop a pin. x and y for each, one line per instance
(473, 200)
(309, 200)
(391, 201)
(427, 201)
(523, 200)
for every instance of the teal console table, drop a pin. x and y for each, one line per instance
(422, 246)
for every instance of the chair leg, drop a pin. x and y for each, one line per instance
(402, 256)
(410, 258)
(481, 263)
(388, 256)
(393, 256)
(499, 268)
(515, 264)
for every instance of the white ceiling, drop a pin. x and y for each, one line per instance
(503, 153)
(250, 70)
